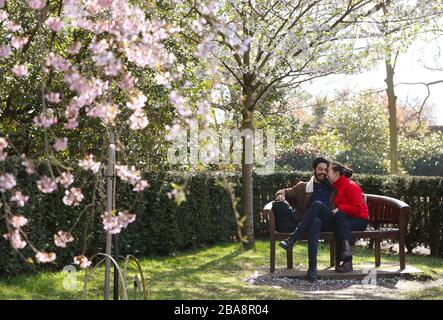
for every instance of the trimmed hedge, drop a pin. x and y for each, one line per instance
(206, 217)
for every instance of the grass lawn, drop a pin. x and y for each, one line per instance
(215, 272)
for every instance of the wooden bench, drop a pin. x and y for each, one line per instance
(382, 211)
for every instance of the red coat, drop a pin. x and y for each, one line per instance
(349, 198)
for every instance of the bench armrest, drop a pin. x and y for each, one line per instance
(403, 208)
(267, 210)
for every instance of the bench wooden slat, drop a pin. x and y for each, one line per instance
(354, 234)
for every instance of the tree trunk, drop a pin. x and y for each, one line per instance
(246, 180)
(110, 182)
(392, 106)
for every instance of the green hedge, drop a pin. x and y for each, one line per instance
(161, 227)
(206, 217)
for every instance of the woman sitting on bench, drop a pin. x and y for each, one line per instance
(351, 213)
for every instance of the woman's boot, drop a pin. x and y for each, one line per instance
(345, 267)
(346, 250)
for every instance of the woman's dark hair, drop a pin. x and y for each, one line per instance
(342, 169)
(319, 160)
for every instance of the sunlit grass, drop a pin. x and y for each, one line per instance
(215, 272)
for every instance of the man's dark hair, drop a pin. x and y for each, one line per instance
(319, 160)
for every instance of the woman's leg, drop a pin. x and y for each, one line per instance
(344, 226)
(357, 224)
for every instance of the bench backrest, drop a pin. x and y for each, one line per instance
(385, 210)
(382, 210)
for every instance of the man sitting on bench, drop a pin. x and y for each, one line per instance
(316, 195)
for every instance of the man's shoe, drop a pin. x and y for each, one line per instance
(286, 245)
(345, 267)
(312, 275)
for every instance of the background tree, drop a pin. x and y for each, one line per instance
(275, 44)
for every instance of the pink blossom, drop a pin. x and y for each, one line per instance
(127, 82)
(71, 124)
(18, 221)
(3, 14)
(15, 239)
(205, 47)
(73, 197)
(5, 51)
(137, 102)
(62, 238)
(105, 3)
(130, 175)
(180, 103)
(45, 257)
(29, 166)
(57, 62)
(7, 182)
(164, 79)
(106, 111)
(138, 120)
(107, 60)
(18, 42)
(54, 23)
(36, 4)
(198, 26)
(3, 143)
(141, 185)
(12, 26)
(60, 144)
(53, 97)
(75, 48)
(46, 184)
(20, 70)
(89, 164)
(98, 47)
(46, 119)
(3, 155)
(82, 261)
(114, 224)
(65, 179)
(19, 198)
(125, 218)
(203, 107)
(111, 224)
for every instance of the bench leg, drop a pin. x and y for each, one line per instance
(377, 253)
(272, 255)
(289, 259)
(332, 252)
(402, 254)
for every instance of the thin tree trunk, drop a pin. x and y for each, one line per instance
(392, 106)
(109, 208)
(247, 190)
(392, 99)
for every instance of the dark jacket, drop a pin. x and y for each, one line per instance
(298, 196)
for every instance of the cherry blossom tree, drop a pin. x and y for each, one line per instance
(91, 46)
(266, 45)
